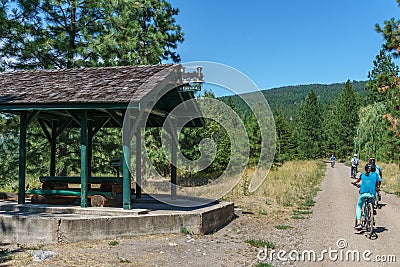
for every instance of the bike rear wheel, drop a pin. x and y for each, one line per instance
(376, 202)
(369, 220)
(363, 216)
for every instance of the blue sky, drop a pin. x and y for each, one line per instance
(285, 42)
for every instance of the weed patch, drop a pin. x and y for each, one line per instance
(283, 227)
(264, 264)
(260, 243)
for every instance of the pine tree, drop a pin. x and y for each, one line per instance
(384, 72)
(346, 120)
(391, 32)
(284, 145)
(308, 128)
(329, 124)
(382, 77)
(75, 33)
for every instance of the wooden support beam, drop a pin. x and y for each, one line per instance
(126, 176)
(174, 149)
(76, 118)
(22, 157)
(84, 158)
(31, 117)
(115, 117)
(138, 136)
(95, 130)
(45, 131)
(90, 148)
(53, 143)
(63, 126)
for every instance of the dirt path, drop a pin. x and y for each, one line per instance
(332, 220)
(331, 225)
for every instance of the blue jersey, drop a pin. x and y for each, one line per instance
(378, 172)
(368, 183)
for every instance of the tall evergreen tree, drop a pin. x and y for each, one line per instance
(52, 34)
(308, 131)
(346, 120)
(383, 76)
(329, 124)
(391, 33)
(384, 72)
(285, 148)
(77, 33)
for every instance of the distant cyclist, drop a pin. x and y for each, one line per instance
(354, 165)
(333, 158)
(369, 185)
(378, 171)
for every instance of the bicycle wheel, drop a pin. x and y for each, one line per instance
(370, 219)
(363, 215)
(376, 202)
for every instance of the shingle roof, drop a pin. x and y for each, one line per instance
(87, 85)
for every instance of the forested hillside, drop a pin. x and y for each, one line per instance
(288, 99)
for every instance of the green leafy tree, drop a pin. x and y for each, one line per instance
(9, 149)
(76, 33)
(254, 133)
(308, 130)
(371, 131)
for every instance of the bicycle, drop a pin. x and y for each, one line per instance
(367, 214)
(332, 163)
(377, 199)
(354, 171)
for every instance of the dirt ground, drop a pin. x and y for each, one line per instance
(329, 227)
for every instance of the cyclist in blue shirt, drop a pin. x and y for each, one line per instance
(354, 165)
(378, 171)
(369, 185)
(333, 158)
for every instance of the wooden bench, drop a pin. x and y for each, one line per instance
(69, 193)
(77, 179)
(56, 187)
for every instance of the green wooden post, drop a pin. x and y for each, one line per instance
(53, 148)
(138, 135)
(174, 144)
(126, 176)
(22, 157)
(84, 159)
(90, 148)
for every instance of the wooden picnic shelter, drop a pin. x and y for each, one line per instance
(131, 97)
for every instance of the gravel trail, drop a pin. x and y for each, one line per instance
(329, 226)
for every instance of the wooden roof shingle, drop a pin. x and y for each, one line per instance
(80, 86)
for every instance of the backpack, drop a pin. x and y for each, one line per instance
(355, 161)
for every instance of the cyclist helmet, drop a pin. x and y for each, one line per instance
(355, 155)
(371, 160)
(373, 167)
(368, 167)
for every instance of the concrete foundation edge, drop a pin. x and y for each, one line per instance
(41, 230)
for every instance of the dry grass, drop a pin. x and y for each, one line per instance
(290, 186)
(391, 178)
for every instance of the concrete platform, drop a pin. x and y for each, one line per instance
(46, 224)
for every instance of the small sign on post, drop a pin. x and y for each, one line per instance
(191, 80)
(117, 164)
